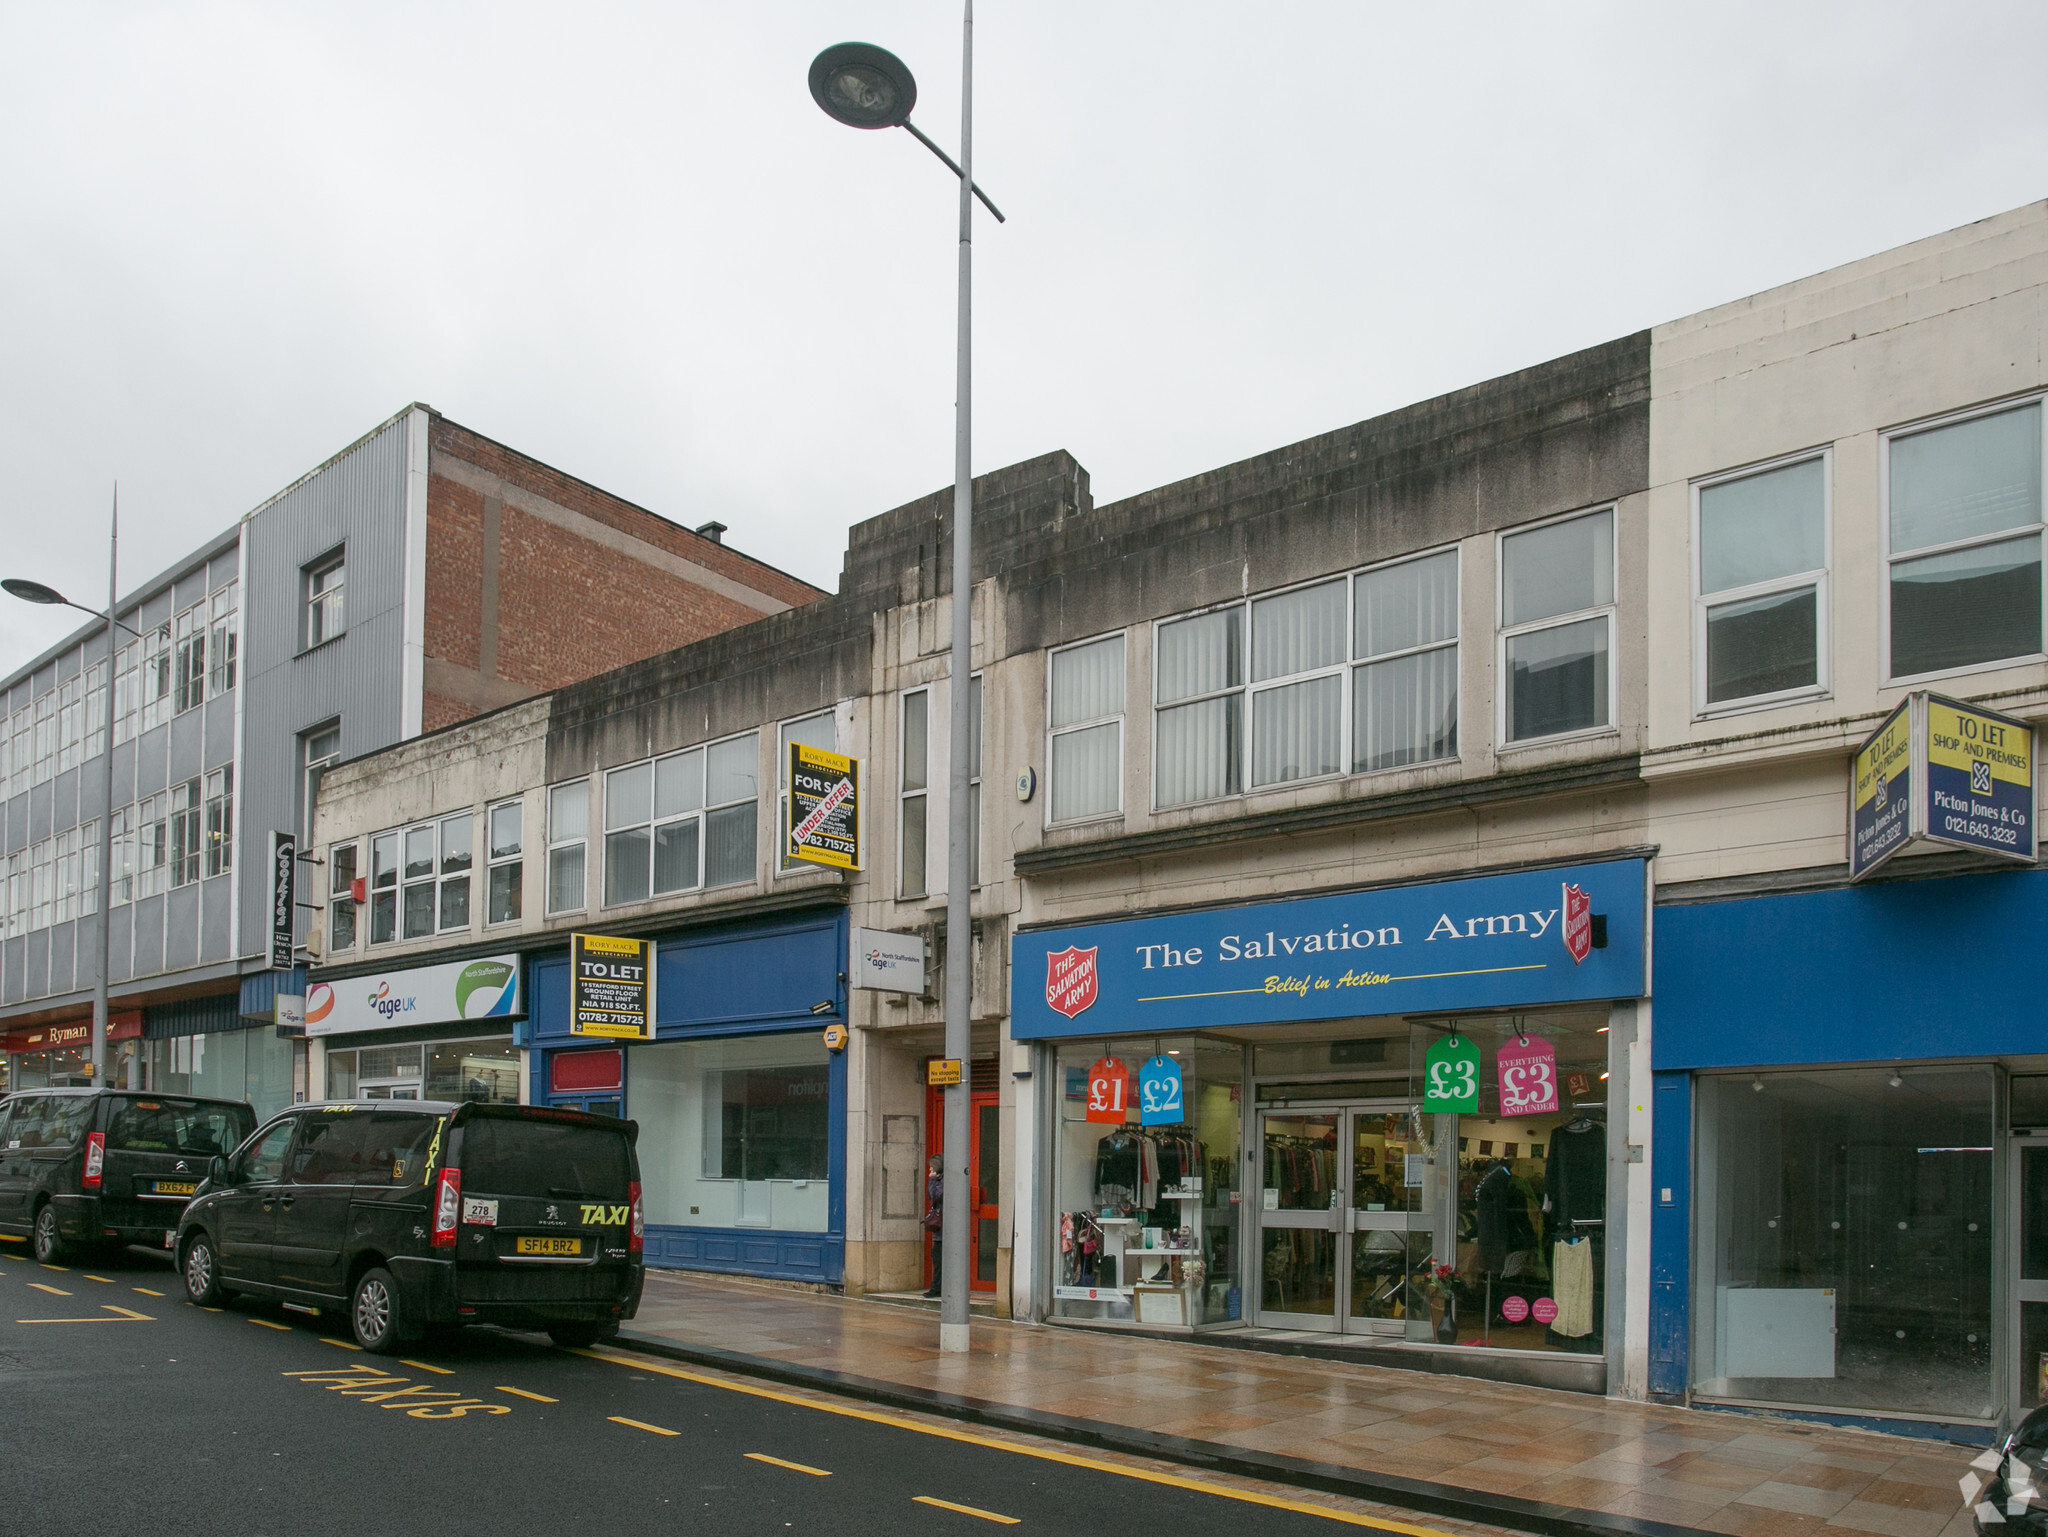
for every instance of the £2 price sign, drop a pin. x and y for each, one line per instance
(1528, 1076)
(1450, 1075)
(1109, 1091)
(1159, 1089)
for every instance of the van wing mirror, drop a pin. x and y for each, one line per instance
(217, 1170)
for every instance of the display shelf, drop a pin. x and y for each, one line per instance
(1165, 1253)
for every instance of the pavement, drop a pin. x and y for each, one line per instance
(1496, 1454)
(134, 1412)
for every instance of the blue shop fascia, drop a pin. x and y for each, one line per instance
(1849, 1213)
(740, 1100)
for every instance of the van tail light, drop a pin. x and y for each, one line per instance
(447, 1208)
(636, 1238)
(95, 1158)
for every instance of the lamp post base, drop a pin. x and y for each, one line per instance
(952, 1339)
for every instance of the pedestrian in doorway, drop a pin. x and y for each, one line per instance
(934, 1216)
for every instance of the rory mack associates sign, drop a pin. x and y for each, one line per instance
(1498, 941)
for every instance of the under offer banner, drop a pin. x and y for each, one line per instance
(824, 807)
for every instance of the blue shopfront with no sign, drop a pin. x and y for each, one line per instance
(741, 1106)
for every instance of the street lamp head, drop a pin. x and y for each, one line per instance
(32, 592)
(863, 86)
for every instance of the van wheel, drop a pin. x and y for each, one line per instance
(374, 1313)
(202, 1274)
(49, 1243)
(576, 1336)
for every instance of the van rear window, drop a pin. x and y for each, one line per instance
(503, 1156)
(190, 1128)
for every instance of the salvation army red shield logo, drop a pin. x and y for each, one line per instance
(1577, 932)
(1070, 980)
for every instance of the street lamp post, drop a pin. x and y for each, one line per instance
(868, 87)
(36, 592)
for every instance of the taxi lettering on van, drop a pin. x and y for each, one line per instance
(597, 1214)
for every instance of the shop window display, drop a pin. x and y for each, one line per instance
(1148, 1214)
(255, 1065)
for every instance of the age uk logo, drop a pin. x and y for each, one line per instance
(1070, 980)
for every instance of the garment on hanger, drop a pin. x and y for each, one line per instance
(1575, 1174)
(1496, 1197)
(1571, 1287)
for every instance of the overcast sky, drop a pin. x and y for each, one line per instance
(622, 239)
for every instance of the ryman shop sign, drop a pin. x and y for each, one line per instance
(1568, 935)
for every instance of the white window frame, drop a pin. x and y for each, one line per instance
(187, 824)
(438, 875)
(373, 888)
(1241, 689)
(70, 721)
(515, 861)
(340, 896)
(127, 691)
(315, 602)
(700, 814)
(1818, 579)
(312, 767)
(1886, 557)
(156, 694)
(189, 631)
(1503, 633)
(152, 845)
(904, 796)
(1121, 720)
(217, 836)
(46, 709)
(223, 638)
(554, 844)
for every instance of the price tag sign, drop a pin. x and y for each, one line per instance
(1450, 1075)
(1159, 1101)
(1109, 1090)
(1527, 1066)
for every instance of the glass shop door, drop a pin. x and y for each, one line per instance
(2029, 1290)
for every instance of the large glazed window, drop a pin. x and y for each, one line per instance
(913, 799)
(1088, 730)
(1557, 627)
(681, 822)
(568, 832)
(1760, 614)
(1406, 684)
(1842, 1238)
(1964, 504)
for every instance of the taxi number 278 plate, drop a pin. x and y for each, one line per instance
(548, 1246)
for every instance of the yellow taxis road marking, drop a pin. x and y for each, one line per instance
(343, 1344)
(374, 1385)
(794, 1467)
(47, 1266)
(145, 1291)
(267, 1324)
(101, 1279)
(439, 1371)
(965, 1510)
(1042, 1453)
(53, 1291)
(12, 1238)
(620, 1419)
(539, 1398)
(126, 1318)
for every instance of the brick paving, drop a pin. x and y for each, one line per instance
(1738, 1474)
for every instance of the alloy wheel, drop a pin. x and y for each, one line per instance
(373, 1310)
(199, 1268)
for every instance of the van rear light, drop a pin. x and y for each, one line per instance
(95, 1158)
(637, 1235)
(447, 1208)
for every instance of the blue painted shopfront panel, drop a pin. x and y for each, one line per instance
(1670, 1233)
(1937, 968)
(1494, 941)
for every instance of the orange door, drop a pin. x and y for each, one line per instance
(984, 1179)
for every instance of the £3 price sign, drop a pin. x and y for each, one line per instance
(1159, 1101)
(1528, 1076)
(1450, 1075)
(1109, 1091)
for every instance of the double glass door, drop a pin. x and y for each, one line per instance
(1347, 1218)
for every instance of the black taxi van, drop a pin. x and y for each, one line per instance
(411, 1212)
(102, 1168)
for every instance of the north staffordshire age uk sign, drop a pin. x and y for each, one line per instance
(1487, 942)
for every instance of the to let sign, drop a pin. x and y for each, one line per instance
(611, 987)
(824, 807)
(1881, 793)
(1939, 771)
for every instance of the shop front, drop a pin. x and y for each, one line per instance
(442, 1032)
(1850, 1162)
(59, 1056)
(1381, 1116)
(740, 1101)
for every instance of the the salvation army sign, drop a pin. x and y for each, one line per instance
(1527, 1068)
(1070, 980)
(1567, 934)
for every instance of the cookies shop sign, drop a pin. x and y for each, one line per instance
(1539, 936)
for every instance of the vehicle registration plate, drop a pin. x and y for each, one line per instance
(173, 1186)
(547, 1246)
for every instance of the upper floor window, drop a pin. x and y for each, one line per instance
(319, 750)
(70, 722)
(46, 709)
(156, 675)
(219, 835)
(223, 641)
(152, 844)
(21, 734)
(913, 796)
(326, 598)
(568, 836)
(341, 898)
(188, 659)
(186, 827)
(505, 853)
(681, 822)
(1086, 705)
(384, 888)
(1350, 675)
(1557, 628)
(95, 732)
(435, 878)
(1963, 526)
(820, 731)
(127, 691)
(1760, 603)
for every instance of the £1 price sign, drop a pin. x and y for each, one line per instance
(1159, 1101)
(1450, 1075)
(1109, 1091)
(1528, 1076)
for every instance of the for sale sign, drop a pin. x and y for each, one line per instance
(824, 807)
(611, 987)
